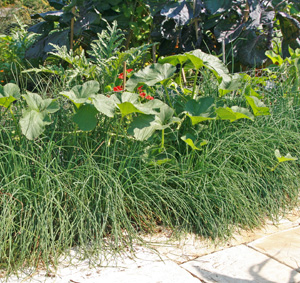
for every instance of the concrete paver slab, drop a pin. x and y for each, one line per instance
(147, 267)
(192, 246)
(283, 246)
(241, 264)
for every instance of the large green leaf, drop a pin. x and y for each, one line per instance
(174, 59)
(258, 107)
(229, 83)
(128, 108)
(151, 75)
(211, 62)
(8, 94)
(80, 94)
(165, 117)
(104, 105)
(201, 110)
(33, 123)
(234, 113)
(276, 58)
(36, 117)
(85, 117)
(142, 127)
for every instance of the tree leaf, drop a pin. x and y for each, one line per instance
(151, 75)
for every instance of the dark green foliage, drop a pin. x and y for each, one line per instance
(245, 27)
(131, 17)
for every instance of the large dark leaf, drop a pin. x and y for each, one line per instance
(42, 28)
(217, 7)
(251, 50)
(228, 30)
(51, 16)
(57, 4)
(86, 118)
(85, 22)
(181, 12)
(199, 8)
(290, 28)
(40, 49)
(255, 12)
(59, 38)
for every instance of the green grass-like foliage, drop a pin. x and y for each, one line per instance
(61, 191)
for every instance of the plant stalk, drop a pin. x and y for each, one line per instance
(195, 84)
(163, 138)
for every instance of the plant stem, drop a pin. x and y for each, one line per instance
(118, 131)
(15, 121)
(163, 138)
(195, 84)
(124, 74)
(168, 97)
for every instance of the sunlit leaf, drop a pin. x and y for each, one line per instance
(8, 94)
(151, 75)
(234, 113)
(191, 141)
(281, 158)
(258, 107)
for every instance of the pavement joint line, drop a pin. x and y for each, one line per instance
(272, 257)
(268, 255)
(194, 275)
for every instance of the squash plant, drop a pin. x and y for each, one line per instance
(171, 105)
(168, 112)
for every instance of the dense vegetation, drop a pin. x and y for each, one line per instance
(105, 141)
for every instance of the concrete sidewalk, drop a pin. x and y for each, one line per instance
(269, 255)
